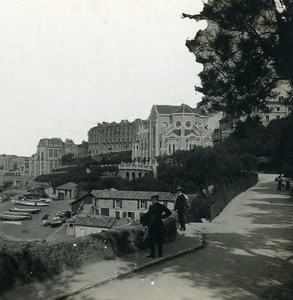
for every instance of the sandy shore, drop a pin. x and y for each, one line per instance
(33, 229)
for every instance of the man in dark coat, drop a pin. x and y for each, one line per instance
(180, 207)
(157, 212)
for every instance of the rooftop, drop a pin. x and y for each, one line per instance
(67, 186)
(99, 221)
(132, 195)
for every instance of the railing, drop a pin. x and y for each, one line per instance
(135, 166)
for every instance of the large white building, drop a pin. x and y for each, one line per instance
(170, 128)
(49, 153)
(112, 137)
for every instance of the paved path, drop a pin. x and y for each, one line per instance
(249, 255)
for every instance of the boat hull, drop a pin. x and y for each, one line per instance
(30, 203)
(26, 210)
(12, 217)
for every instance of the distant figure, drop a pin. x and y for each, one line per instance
(211, 190)
(155, 214)
(287, 184)
(181, 205)
(279, 180)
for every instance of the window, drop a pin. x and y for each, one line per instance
(118, 203)
(188, 124)
(105, 212)
(267, 118)
(130, 215)
(278, 117)
(143, 204)
(117, 214)
(178, 124)
(278, 108)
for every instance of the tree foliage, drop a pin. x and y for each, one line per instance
(241, 51)
(67, 158)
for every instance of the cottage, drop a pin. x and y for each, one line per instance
(82, 225)
(66, 191)
(127, 204)
(79, 204)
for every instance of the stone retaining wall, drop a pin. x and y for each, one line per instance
(231, 192)
(25, 262)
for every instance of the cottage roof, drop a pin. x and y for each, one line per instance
(132, 195)
(99, 221)
(67, 186)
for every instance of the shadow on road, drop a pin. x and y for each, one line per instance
(254, 263)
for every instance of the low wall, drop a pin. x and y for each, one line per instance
(209, 207)
(25, 262)
(231, 192)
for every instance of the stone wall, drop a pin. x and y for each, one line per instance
(25, 262)
(231, 192)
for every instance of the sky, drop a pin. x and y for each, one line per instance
(66, 65)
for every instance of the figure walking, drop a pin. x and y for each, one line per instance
(180, 207)
(156, 213)
(279, 179)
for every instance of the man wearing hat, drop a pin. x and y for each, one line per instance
(157, 212)
(180, 207)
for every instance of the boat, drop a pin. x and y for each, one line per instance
(47, 200)
(28, 210)
(30, 203)
(13, 213)
(12, 217)
(53, 222)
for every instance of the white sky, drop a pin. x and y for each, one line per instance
(66, 65)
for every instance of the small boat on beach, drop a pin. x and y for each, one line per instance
(13, 213)
(30, 203)
(12, 217)
(26, 210)
(53, 222)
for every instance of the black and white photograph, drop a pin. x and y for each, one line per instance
(146, 149)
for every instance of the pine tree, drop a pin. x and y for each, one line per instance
(242, 52)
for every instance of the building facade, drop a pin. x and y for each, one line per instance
(276, 109)
(127, 204)
(112, 137)
(14, 165)
(49, 153)
(170, 128)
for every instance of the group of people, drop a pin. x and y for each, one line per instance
(280, 184)
(153, 219)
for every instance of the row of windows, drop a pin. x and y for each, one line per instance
(101, 134)
(178, 124)
(268, 118)
(111, 140)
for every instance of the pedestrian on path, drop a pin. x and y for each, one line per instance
(155, 214)
(288, 184)
(279, 180)
(181, 206)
